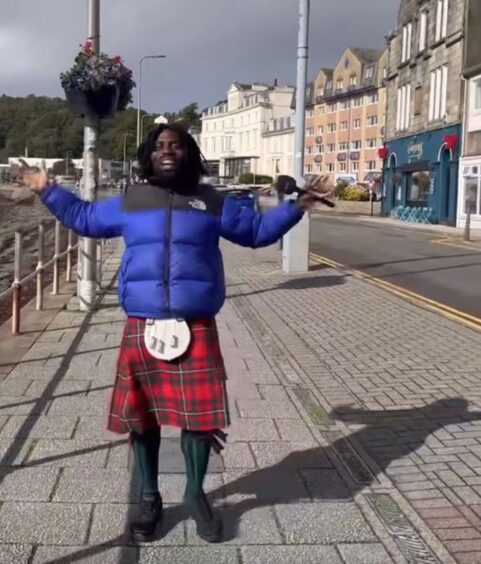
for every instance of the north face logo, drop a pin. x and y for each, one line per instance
(198, 205)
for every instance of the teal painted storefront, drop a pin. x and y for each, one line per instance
(422, 171)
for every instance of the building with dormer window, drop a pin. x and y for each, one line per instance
(424, 108)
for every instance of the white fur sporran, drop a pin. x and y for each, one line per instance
(166, 339)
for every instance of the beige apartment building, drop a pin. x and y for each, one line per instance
(345, 117)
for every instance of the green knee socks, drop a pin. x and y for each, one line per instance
(196, 446)
(146, 453)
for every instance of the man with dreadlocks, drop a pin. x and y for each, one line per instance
(171, 286)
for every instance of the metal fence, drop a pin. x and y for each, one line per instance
(43, 264)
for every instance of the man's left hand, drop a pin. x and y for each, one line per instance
(318, 187)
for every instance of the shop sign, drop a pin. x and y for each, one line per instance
(415, 150)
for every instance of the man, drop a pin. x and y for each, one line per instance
(171, 286)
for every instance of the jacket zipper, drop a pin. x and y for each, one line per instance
(167, 261)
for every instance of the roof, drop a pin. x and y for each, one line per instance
(367, 56)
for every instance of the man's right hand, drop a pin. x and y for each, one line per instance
(33, 178)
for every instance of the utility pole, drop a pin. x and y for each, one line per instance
(87, 278)
(295, 252)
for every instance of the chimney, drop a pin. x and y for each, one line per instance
(275, 82)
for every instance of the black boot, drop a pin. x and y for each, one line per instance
(146, 453)
(196, 447)
(143, 528)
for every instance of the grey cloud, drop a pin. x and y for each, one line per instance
(209, 43)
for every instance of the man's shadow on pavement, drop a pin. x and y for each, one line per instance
(308, 475)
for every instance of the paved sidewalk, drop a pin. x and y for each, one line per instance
(352, 438)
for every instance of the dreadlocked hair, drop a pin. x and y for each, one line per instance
(194, 166)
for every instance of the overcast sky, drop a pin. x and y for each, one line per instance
(209, 43)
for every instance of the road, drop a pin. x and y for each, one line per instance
(448, 274)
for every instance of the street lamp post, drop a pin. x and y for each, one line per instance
(295, 252)
(87, 276)
(142, 125)
(139, 91)
(124, 168)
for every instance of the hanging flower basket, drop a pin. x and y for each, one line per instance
(97, 85)
(100, 103)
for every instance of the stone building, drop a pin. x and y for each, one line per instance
(424, 109)
(469, 187)
(345, 122)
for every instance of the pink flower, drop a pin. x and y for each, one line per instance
(87, 47)
(117, 59)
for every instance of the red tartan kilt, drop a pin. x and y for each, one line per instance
(188, 392)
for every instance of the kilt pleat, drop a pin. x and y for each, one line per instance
(188, 392)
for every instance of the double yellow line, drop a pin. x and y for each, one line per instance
(450, 313)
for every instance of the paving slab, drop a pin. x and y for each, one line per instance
(304, 554)
(84, 555)
(44, 523)
(188, 555)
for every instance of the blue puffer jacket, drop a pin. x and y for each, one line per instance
(172, 265)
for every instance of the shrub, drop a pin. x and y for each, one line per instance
(341, 189)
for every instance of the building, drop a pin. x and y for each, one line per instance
(278, 147)
(345, 121)
(469, 185)
(232, 130)
(424, 108)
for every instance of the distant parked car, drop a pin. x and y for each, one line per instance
(67, 181)
(245, 196)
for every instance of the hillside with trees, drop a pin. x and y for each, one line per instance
(45, 127)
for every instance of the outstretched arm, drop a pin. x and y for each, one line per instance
(102, 219)
(90, 219)
(248, 228)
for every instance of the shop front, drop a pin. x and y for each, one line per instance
(469, 199)
(421, 172)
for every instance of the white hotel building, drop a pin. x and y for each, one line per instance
(250, 132)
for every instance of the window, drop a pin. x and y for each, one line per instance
(343, 146)
(370, 165)
(373, 98)
(339, 84)
(320, 110)
(342, 167)
(441, 20)
(319, 168)
(331, 127)
(310, 113)
(355, 166)
(310, 150)
(309, 168)
(357, 102)
(343, 125)
(476, 95)
(423, 28)
(320, 149)
(403, 107)
(356, 144)
(418, 187)
(357, 123)
(438, 93)
(472, 185)
(331, 147)
(320, 130)
(353, 80)
(206, 145)
(345, 105)
(371, 143)
(372, 120)
(330, 167)
(406, 42)
(331, 108)
(213, 145)
(320, 91)
(310, 131)
(369, 72)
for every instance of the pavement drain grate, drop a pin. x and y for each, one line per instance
(316, 412)
(411, 544)
(352, 461)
